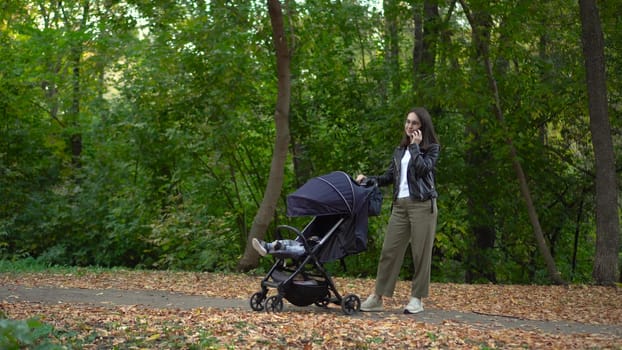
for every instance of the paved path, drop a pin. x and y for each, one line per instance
(162, 299)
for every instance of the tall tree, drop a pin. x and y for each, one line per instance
(426, 36)
(479, 155)
(263, 218)
(607, 219)
(481, 37)
(75, 62)
(391, 38)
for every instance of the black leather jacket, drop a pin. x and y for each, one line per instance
(421, 183)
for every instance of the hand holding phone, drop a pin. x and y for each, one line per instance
(416, 137)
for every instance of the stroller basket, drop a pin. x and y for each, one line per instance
(303, 293)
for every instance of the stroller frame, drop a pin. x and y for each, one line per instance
(298, 284)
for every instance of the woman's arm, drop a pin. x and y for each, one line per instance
(386, 178)
(424, 162)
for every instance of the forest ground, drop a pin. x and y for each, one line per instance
(160, 309)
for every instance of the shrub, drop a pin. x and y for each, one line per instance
(30, 334)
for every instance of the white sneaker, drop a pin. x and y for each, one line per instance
(260, 247)
(415, 306)
(373, 303)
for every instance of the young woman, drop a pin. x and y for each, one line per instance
(413, 214)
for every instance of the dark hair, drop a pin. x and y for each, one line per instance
(427, 129)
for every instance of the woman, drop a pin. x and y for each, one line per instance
(413, 213)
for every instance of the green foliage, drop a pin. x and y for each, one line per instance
(31, 334)
(193, 241)
(174, 113)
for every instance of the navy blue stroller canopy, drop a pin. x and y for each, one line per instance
(330, 194)
(337, 194)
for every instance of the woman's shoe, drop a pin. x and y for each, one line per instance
(415, 306)
(373, 303)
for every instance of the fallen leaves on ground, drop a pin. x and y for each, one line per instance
(139, 327)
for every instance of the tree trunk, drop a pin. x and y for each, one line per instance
(74, 111)
(607, 220)
(482, 46)
(250, 259)
(391, 42)
(482, 232)
(426, 36)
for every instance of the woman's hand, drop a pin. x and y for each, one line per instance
(416, 137)
(360, 178)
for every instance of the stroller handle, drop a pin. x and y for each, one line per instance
(369, 182)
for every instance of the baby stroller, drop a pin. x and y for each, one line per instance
(340, 208)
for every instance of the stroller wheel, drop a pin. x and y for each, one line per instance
(350, 304)
(257, 301)
(274, 303)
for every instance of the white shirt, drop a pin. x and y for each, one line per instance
(403, 185)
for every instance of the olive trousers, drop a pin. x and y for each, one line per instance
(411, 222)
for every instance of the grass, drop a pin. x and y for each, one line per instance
(31, 265)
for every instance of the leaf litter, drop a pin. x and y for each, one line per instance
(204, 328)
